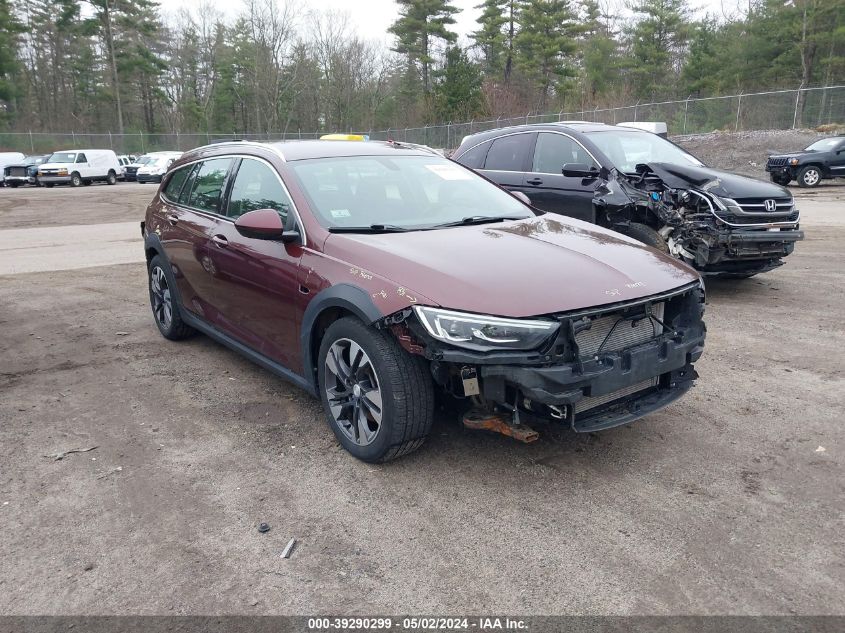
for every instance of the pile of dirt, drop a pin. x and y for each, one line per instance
(745, 152)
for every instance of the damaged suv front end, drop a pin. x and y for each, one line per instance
(702, 219)
(589, 369)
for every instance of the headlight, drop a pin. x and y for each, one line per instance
(480, 332)
(793, 161)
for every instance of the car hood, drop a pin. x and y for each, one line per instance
(720, 183)
(56, 165)
(517, 268)
(799, 154)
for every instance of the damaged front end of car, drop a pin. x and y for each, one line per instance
(710, 228)
(589, 369)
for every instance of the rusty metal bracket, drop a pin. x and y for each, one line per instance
(484, 421)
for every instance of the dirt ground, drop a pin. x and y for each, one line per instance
(729, 501)
(746, 152)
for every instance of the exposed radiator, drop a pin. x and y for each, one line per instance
(625, 334)
(585, 404)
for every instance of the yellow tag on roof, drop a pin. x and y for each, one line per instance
(344, 137)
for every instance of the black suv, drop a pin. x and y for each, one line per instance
(822, 160)
(642, 185)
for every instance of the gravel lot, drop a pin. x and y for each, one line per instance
(729, 501)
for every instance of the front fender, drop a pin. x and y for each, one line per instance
(345, 296)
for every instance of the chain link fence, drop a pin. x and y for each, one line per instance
(772, 110)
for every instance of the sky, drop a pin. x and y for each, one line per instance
(370, 19)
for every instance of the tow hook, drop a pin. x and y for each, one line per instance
(478, 420)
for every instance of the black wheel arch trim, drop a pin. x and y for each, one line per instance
(348, 297)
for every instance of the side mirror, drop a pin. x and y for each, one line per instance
(521, 197)
(264, 224)
(580, 170)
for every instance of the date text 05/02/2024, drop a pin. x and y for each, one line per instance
(417, 624)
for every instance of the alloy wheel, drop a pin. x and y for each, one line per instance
(811, 177)
(160, 298)
(353, 391)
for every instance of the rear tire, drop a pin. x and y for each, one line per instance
(382, 397)
(648, 236)
(49, 185)
(810, 176)
(75, 179)
(163, 301)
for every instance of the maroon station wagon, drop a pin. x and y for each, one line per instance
(377, 275)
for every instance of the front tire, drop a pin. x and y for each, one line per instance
(810, 176)
(378, 398)
(163, 301)
(780, 179)
(75, 180)
(647, 235)
(111, 179)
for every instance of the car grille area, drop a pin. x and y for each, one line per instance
(758, 205)
(591, 402)
(776, 162)
(613, 332)
(16, 171)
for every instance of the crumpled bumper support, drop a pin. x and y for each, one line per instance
(665, 359)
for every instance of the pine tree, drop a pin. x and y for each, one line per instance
(457, 88)
(545, 45)
(599, 52)
(658, 44)
(10, 30)
(421, 23)
(490, 37)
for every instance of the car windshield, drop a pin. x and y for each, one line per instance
(144, 160)
(403, 192)
(627, 149)
(824, 145)
(62, 157)
(35, 160)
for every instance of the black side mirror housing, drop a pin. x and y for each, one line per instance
(580, 170)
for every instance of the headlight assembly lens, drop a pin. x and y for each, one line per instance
(477, 331)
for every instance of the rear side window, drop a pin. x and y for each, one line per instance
(474, 158)
(207, 189)
(174, 185)
(553, 151)
(508, 153)
(257, 186)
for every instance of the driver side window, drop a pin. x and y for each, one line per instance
(80, 158)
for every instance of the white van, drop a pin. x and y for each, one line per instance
(155, 166)
(8, 158)
(80, 167)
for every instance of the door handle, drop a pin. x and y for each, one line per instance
(220, 241)
(173, 219)
(534, 181)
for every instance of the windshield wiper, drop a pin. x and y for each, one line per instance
(477, 219)
(373, 228)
